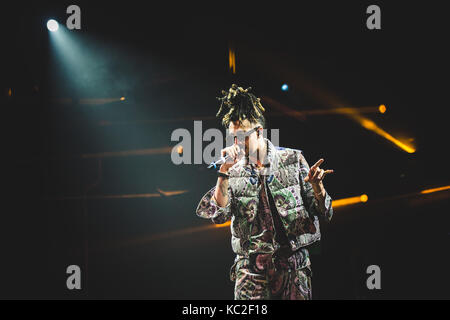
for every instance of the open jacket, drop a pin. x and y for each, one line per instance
(294, 200)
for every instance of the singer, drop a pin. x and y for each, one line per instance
(274, 201)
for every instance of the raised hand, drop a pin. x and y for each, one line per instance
(234, 152)
(316, 174)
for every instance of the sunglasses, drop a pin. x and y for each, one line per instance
(240, 136)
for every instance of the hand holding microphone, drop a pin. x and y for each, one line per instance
(229, 156)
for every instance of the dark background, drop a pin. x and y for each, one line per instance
(170, 61)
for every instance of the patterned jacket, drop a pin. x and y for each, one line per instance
(294, 199)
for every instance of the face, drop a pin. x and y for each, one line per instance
(249, 142)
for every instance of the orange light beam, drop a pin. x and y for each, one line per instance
(163, 150)
(434, 190)
(348, 201)
(355, 115)
(232, 60)
(171, 193)
(271, 114)
(226, 224)
(127, 196)
(370, 125)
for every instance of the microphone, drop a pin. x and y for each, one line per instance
(221, 161)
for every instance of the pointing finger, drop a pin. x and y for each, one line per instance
(318, 163)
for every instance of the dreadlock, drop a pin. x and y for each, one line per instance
(239, 104)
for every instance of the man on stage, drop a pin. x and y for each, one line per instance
(274, 200)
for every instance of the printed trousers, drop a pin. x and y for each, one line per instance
(262, 278)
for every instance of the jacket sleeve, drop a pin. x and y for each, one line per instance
(307, 191)
(209, 209)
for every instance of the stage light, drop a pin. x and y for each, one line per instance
(370, 125)
(435, 190)
(232, 60)
(285, 87)
(52, 25)
(351, 200)
(222, 225)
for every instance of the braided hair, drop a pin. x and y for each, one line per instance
(239, 104)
